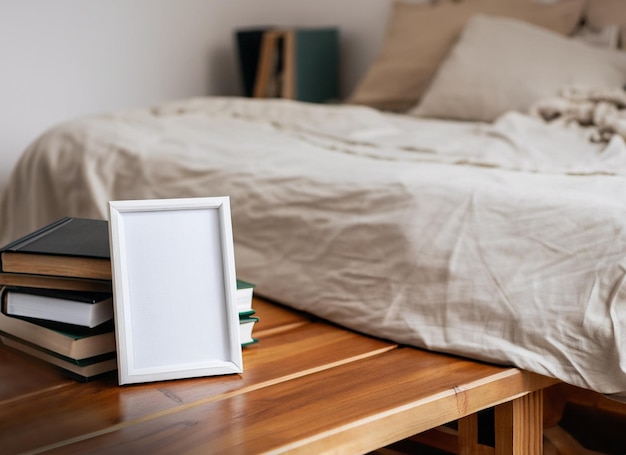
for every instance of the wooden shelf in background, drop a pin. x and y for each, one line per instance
(299, 63)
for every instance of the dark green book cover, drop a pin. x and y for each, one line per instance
(246, 314)
(241, 284)
(82, 370)
(317, 65)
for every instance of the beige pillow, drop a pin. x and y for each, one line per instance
(501, 64)
(419, 37)
(601, 13)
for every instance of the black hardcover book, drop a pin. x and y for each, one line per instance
(249, 48)
(69, 247)
(68, 236)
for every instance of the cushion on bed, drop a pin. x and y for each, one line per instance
(419, 36)
(602, 13)
(501, 64)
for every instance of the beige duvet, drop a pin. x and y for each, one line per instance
(502, 242)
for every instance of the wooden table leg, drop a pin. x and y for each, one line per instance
(519, 425)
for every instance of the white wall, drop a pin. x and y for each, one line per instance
(64, 58)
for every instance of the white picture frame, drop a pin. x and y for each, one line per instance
(174, 288)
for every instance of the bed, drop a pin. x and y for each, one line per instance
(450, 215)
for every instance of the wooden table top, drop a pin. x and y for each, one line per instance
(307, 387)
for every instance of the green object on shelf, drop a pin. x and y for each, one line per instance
(316, 65)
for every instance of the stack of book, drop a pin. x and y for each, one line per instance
(57, 301)
(247, 314)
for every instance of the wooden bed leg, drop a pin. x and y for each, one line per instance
(519, 425)
(468, 435)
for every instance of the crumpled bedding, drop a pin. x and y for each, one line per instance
(502, 242)
(602, 110)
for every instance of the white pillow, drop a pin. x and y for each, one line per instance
(502, 64)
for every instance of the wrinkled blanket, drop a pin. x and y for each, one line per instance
(504, 242)
(602, 110)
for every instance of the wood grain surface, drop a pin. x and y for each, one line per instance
(307, 387)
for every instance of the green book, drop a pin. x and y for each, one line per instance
(316, 64)
(246, 314)
(78, 346)
(83, 370)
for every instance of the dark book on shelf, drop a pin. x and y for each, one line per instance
(82, 370)
(86, 309)
(249, 49)
(316, 62)
(69, 247)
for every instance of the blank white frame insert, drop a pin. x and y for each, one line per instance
(174, 287)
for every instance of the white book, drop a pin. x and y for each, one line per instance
(244, 296)
(245, 330)
(85, 309)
